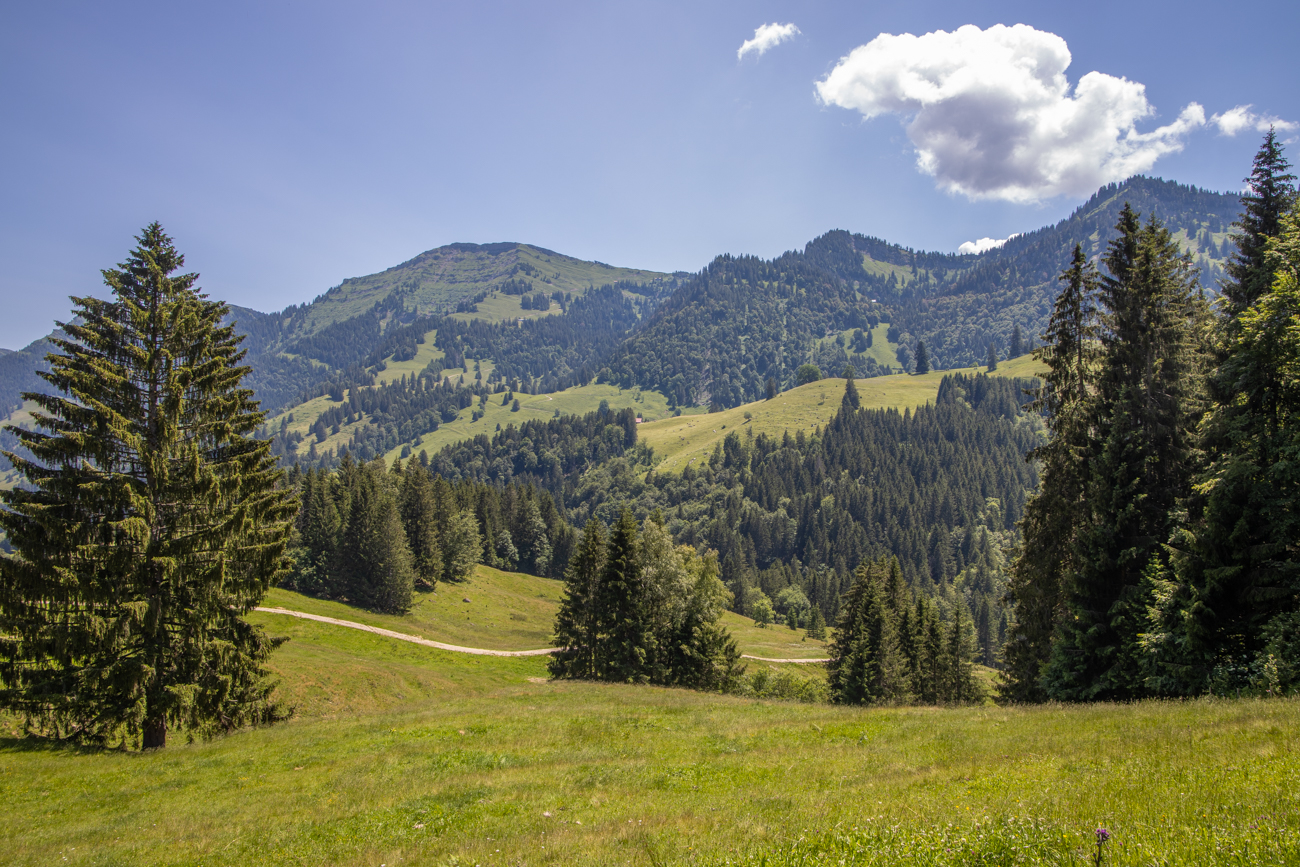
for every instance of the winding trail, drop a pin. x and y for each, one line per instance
(477, 651)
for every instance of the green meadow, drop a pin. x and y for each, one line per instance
(403, 754)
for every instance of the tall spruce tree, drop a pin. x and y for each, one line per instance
(419, 521)
(1046, 556)
(620, 607)
(153, 522)
(1149, 401)
(922, 357)
(577, 628)
(1235, 558)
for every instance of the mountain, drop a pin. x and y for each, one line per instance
(743, 320)
(539, 321)
(457, 277)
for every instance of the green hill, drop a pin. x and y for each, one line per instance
(437, 280)
(681, 440)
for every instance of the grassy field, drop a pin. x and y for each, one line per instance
(500, 610)
(678, 441)
(403, 755)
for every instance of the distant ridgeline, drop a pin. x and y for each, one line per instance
(712, 338)
(941, 488)
(743, 320)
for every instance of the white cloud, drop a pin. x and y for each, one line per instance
(1234, 120)
(983, 245)
(992, 115)
(767, 36)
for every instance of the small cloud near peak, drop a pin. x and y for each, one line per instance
(983, 245)
(1234, 120)
(765, 37)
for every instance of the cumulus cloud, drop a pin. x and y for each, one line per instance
(765, 37)
(983, 245)
(1234, 120)
(993, 116)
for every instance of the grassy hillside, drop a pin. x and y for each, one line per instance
(441, 277)
(403, 755)
(678, 441)
(500, 610)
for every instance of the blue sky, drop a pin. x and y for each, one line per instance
(287, 146)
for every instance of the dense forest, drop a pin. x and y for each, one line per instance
(1160, 556)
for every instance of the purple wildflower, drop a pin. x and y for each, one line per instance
(1102, 836)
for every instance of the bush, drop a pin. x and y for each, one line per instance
(784, 685)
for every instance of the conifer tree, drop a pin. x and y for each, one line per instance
(1039, 573)
(577, 632)
(420, 524)
(1016, 346)
(992, 362)
(1150, 399)
(620, 607)
(816, 624)
(922, 357)
(374, 560)
(851, 400)
(867, 665)
(1235, 559)
(152, 524)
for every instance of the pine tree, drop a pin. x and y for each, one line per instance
(1149, 401)
(420, 524)
(851, 400)
(992, 362)
(922, 357)
(1235, 560)
(1016, 346)
(154, 522)
(1039, 573)
(374, 560)
(816, 624)
(867, 665)
(462, 546)
(577, 630)
(620, 607)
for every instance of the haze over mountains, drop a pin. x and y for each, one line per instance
(710, 338)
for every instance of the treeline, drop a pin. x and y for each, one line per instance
(638, 609)
(370, 535)
(1161, 555)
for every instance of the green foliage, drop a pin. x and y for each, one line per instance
(807, 373)
(1046, 558)
(637, 609)
(816, 625)
(891, 646)
(1149, 399)
(923, 358)
(1236, 563)
(153, 523)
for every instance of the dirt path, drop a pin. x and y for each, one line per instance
(477, 651)
(401, 636)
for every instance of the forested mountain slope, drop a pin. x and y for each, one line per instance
(744, 320)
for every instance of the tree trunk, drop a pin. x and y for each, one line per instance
(155, 734)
